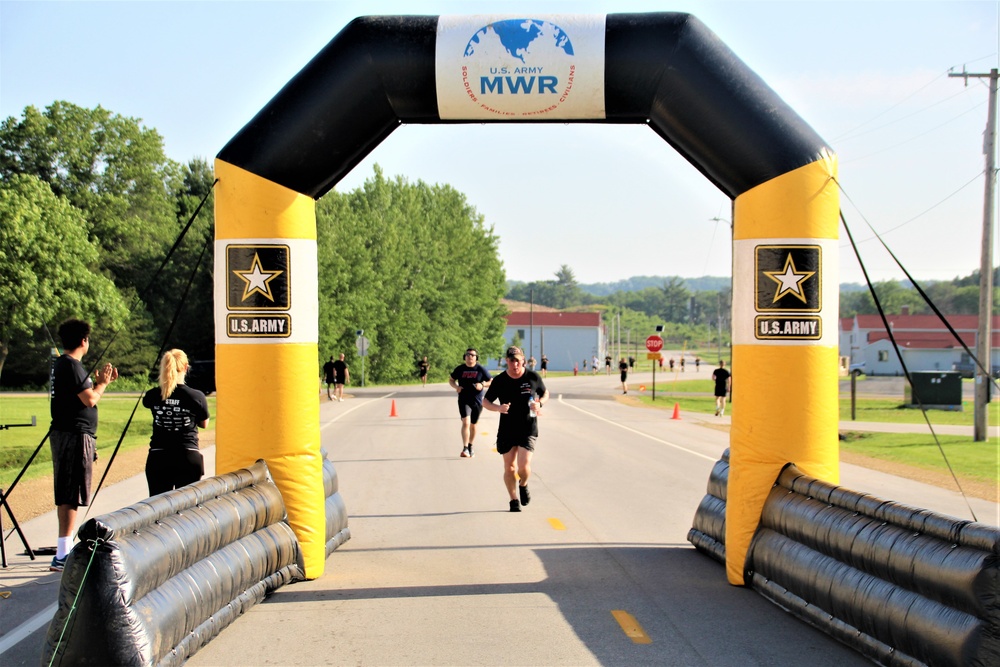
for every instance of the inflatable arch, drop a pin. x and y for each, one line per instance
(665, 70)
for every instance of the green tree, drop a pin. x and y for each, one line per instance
(191, 265)
(567, 291)
(108, 166)
(48, 267)
(416, 268)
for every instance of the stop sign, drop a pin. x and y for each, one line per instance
(654, 343)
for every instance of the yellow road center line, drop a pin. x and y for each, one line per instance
(556, 524)
(631, 627)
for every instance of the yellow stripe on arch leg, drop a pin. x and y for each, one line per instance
(784, 411)
(266, 333)
(277, 422)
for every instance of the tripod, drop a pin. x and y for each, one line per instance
(10, 513)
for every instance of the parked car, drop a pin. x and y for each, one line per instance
(968, 369)
(857, 369)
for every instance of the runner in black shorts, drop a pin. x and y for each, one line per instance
(469, 380)
(517, 394)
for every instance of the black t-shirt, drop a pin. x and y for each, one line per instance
(340, 372)
(328, 372)
(518, 422)
(176, 419)
(467, 377)
(69, 413)
(720, 375)
(423, 366)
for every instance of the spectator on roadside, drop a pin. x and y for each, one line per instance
(174, 458)
(623, 370)
(73, 431)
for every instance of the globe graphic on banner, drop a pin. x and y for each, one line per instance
(521, 38)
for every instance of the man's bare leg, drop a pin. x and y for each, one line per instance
(509, 472)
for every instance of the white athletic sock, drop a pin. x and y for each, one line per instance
(63, 546)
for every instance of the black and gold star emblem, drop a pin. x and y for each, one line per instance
(258, 277)
(788, 278)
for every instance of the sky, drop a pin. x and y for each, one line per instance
(610, 202)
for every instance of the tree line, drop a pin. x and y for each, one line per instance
(91, 206)
(690, 318)
(702, 317)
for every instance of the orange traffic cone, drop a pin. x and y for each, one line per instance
(677, 411)
(392, 410)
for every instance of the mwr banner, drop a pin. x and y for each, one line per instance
(520, 68)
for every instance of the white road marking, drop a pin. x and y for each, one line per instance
(645, 435)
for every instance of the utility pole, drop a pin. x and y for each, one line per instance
(984, 336)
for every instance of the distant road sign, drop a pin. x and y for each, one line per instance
(654, 343)
(654, 356)
(362, 344)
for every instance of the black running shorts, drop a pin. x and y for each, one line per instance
(470, 409)
(527, 442)
(73, 457)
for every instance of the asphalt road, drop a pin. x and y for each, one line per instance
(438, 572)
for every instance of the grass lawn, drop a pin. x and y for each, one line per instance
(17, 444)
(968, 459)
(866, 409)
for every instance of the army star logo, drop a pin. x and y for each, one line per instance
(789, 280)
(259, 277)
(257, 280)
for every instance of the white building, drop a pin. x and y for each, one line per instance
(924, 342)
(567, 339)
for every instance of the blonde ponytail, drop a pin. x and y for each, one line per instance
(173, 366)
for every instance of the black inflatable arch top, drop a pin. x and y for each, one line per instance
(665, 69)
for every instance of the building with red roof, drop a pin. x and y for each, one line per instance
(924, 341)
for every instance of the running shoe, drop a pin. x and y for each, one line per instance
(515, 506)
(525, 496)
(471, 453)
(465, 453)
(57, 564)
